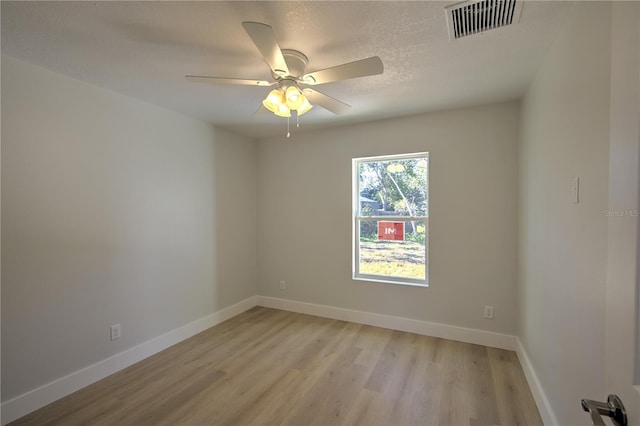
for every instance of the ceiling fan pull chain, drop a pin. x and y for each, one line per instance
(297, 119)
(288, 132)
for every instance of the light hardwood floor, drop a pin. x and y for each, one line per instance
(267, 366)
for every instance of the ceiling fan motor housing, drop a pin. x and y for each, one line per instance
(297, 63)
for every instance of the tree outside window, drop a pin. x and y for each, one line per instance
(391, 206)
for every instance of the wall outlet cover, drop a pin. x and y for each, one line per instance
(116, 331)
(488, 312)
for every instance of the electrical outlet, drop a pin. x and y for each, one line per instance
(116, 331)
(283, 285)
(488, 311)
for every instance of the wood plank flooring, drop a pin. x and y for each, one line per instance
(267, 366)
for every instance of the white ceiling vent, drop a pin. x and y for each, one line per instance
(477, 16)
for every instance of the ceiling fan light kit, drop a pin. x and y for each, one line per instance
(288, 71)
(282, 101)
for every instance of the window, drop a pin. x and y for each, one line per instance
(391, 219)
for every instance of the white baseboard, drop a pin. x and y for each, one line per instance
(24, 404)
(539, 396)
(461, 334)
(50, 392)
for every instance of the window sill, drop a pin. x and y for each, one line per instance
(371, 278)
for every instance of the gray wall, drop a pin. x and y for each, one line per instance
(563, 246)
(117, 211)
(305, 219)
(622, 354)
(113, 211)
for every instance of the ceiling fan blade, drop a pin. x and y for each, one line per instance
(261, 111)
(224, 80)
(361, 68)
(325, 101)
(265, 40)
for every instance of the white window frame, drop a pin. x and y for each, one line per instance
(358, 219)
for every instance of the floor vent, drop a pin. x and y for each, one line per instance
(474, 17)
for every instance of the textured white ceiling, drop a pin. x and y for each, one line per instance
(144, 49)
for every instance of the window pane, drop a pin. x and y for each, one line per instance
(382, 252)
(395, 187)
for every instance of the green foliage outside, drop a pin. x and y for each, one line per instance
(400, 189)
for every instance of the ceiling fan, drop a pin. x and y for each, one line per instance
(288, 72)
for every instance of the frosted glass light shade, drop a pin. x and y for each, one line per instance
(282, 101)
(293, 98)
(305, 107)
(273, 101)
(282, 111)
